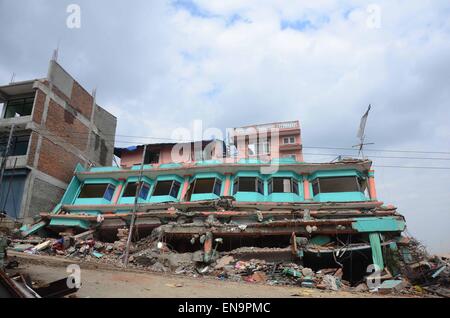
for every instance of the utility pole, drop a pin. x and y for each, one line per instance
(5, 155)
(133, 215)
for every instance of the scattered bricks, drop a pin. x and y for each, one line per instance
(307, 271)
(331, 282)
(259, 277)
(361, 288)
(338, 273)
(122, 233)
(222, 262)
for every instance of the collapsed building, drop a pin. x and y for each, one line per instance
(318, 214)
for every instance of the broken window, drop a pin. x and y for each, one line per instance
(337, 184)
(18, 146)
(19, 107)
(283, 185)
(103, 190)
(169, 187)
(248, 184)
(208, 185)
(130, 190)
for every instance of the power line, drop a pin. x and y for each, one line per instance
(412, 167)
(376, 156)
(381, 150)
(310, 147)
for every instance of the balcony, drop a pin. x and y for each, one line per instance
(283, 127)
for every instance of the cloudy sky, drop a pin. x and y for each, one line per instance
(159, 65)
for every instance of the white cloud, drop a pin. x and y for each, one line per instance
(159, 66)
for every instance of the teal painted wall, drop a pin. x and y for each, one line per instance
(340, 197)
(378, 224)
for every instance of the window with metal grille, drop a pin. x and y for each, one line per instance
(18, 146)
(19, 107)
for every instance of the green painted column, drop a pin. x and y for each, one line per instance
(377, 254)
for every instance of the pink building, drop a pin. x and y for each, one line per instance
(164, 153)
(268, 141)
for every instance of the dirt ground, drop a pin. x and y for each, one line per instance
(99, 281)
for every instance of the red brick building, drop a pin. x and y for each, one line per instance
(54, 124)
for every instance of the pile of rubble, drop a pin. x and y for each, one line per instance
(418, 272)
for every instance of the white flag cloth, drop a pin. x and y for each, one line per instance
(362, 125)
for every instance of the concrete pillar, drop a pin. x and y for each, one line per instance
(207, 247)
(371, 185)
(377, 253)
(306, 190)
(118, 191)
(185, 187)
(227, 186)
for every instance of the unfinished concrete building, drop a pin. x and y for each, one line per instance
(47, 127)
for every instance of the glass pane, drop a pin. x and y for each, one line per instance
(287, 185)
(235, 186)
(109, 192)
(145, 189)
(295, 186)
(175, 188)
(260, 186)
(315, 186)
(270, 186)
(217, 187)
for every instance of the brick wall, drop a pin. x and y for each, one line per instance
(81, 100)
(63, 123)
(57, 162)
(38, 106)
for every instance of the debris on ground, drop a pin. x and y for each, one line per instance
(411, 271)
